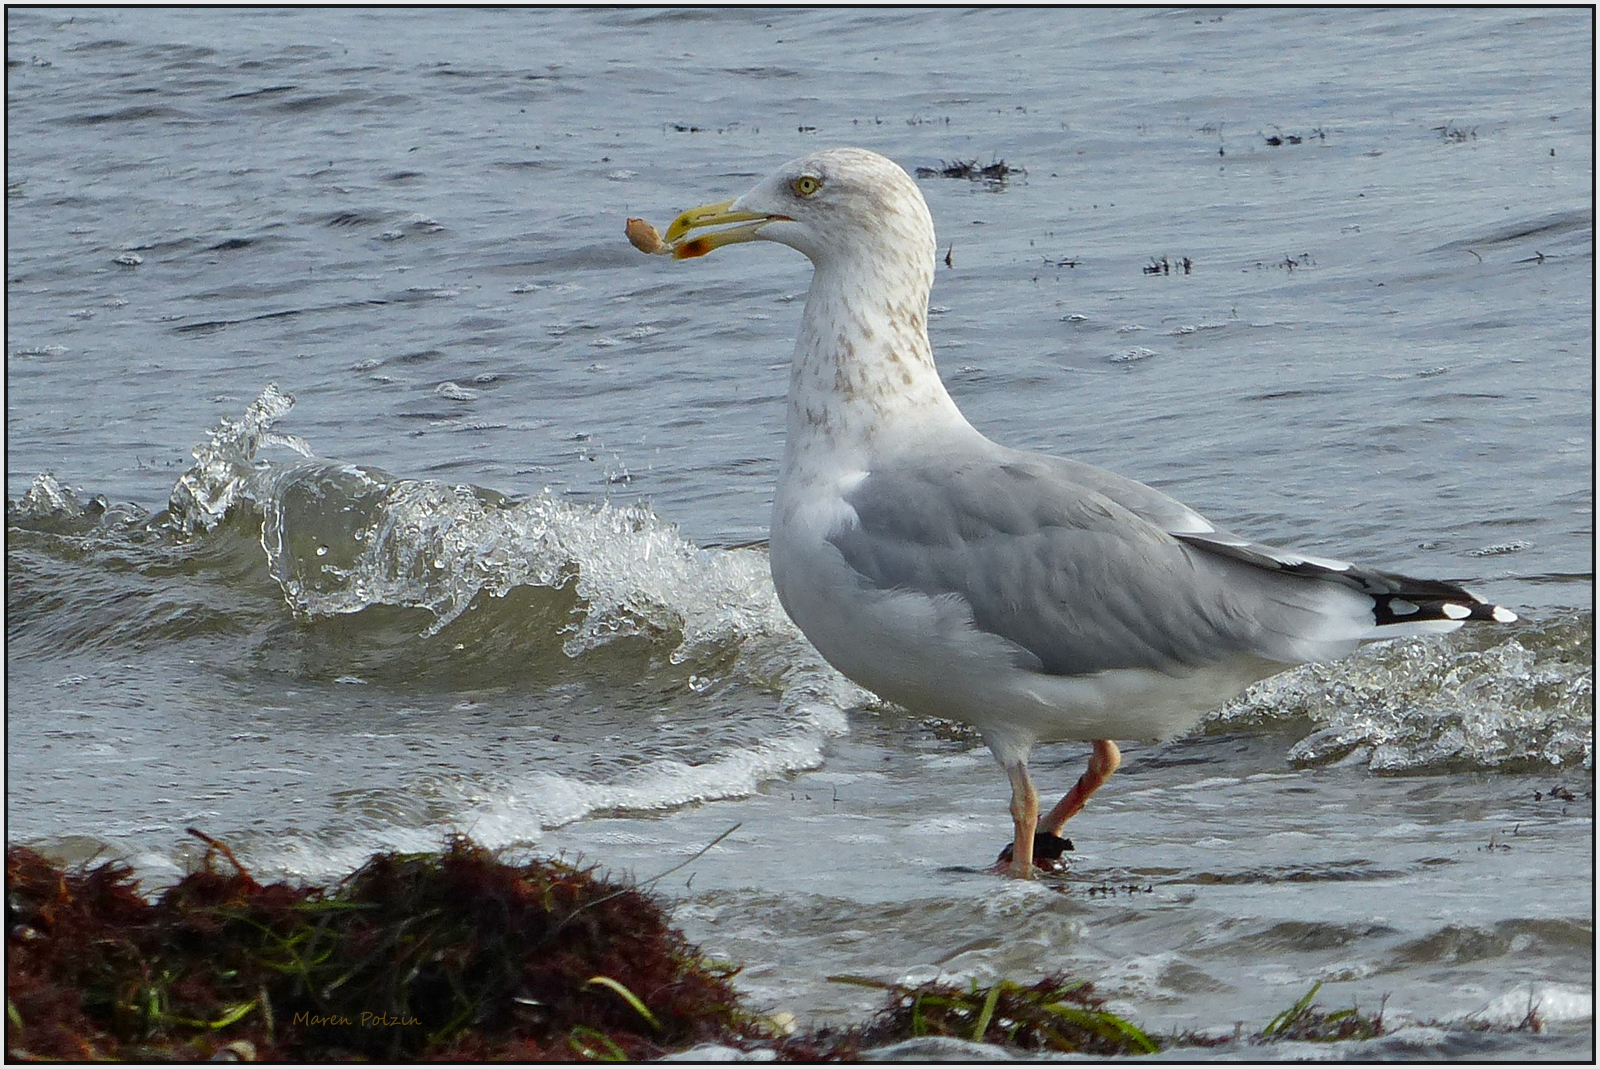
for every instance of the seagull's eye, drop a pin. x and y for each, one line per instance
(806, 185)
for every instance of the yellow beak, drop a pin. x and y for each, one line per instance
(713, 215)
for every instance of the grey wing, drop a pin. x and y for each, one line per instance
(1076, 581)
(1085, 571)
(1399, 602)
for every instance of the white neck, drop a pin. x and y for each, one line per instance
(863, 379)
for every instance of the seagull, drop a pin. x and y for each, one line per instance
(1033, 597)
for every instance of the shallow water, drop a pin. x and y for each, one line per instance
(522, 599)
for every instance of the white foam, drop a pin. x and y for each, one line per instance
(1417, 703)
(540, 801)
(1552, 1002)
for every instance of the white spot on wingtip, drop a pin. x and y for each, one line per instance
(1504, 615)
(1402, 607)
(1456, 612)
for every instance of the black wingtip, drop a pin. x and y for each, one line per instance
(1390, 609)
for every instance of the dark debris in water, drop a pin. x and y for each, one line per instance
(1110, 890)
(1278, 138)
(996, 172)
(1289, 263)
(692, 128)
(1453, 133)
(1182, 265)
(460, 956)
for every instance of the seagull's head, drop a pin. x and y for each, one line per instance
(840, 203)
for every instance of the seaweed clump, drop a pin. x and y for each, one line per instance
(1309, 1022)
(1056, 1014)
(1306, 1021)
(455, 956)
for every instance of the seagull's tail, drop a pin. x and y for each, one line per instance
(1399, 605)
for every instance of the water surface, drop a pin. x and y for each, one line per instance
(496, 565)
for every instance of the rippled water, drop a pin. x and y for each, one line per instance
(496, 565)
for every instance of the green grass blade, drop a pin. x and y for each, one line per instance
(1292, 1014)
(233, 1016)
(860, 981)
(627, 996)
(1108, 1026)
(582, 1035)
(986, 1014)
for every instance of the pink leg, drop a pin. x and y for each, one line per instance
(1025, 818)
(1102, 762)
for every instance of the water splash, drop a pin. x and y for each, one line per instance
(225, 467)
(1434, 704)
(45, 497)
(342, 538)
